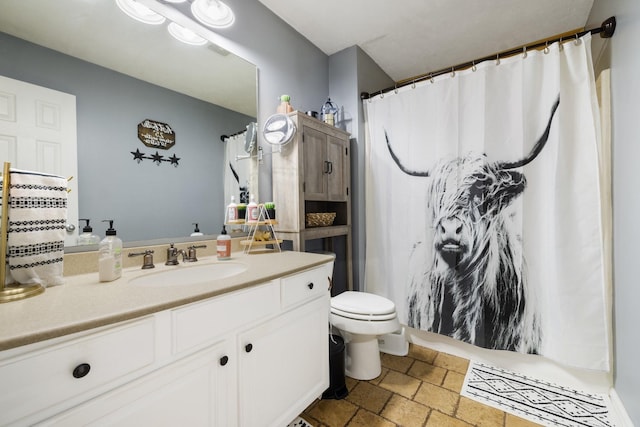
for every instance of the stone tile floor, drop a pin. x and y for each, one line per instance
(420, 389)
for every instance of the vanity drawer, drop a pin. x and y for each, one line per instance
(46, 377)
(200, 323)
(307, 285)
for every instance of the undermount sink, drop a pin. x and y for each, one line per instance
(189, 275)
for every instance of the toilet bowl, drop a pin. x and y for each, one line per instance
(361, 317)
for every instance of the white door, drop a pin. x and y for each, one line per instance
(38, 133)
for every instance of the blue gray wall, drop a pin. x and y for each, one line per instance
(621, 53)
(146, 200)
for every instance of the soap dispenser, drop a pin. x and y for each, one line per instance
(223, 245)
(110, 255)
(252, 210)
(87, 237)
(196, 231)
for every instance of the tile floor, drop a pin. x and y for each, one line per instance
(420, 389)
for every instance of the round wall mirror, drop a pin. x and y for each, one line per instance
(279, 129)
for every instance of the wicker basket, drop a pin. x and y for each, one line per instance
(320, 219)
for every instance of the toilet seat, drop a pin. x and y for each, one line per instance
(363, 306)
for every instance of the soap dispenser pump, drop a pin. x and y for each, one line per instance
(196, 230)
(87, 237)
(110, 255)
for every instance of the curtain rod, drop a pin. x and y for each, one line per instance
(223, 138)
(606, 31)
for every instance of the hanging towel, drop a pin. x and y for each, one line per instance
(37, 213)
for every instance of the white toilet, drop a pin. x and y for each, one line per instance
(362, 317)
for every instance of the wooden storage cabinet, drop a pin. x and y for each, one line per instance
(253, 357)
(312, 174)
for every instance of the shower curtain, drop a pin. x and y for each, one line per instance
(240, 174)
(483, 205)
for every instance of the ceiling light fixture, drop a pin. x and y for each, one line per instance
(185, 35)
(213, 13)
(140, 12)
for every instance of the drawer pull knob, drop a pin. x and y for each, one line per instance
(310, 285)
(81, 370)
(224, 360)
(248, 348)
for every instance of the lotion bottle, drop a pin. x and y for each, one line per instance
(223, 245)
(252, 210)
(232, 210)
(110, 255)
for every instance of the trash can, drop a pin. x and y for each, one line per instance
(337, 386)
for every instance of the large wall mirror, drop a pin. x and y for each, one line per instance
(123, 72)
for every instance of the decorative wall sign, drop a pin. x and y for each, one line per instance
(157, 158)
(156, 135)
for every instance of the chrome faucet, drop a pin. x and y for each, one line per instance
(147, 260)
(172, 255)
(191, 253)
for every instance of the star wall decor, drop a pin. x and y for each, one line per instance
(157, 158)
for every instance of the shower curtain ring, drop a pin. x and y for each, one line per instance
(546, 48)
(413, 84)
(497, 59)
(524, 51)
(560, 47)
(473, 66)
(431, 77)
(577, 42)
(396, 89)
(453, 72)
(381, 94)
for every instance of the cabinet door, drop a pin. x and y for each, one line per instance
(315, 164)
(284, 365)
(338, 170)
(195, 391)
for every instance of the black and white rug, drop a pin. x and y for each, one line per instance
(537, 401)
(299, 422)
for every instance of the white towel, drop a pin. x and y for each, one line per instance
(35, 236)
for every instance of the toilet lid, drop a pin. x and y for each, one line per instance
(363, 303)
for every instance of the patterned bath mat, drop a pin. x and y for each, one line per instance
(299, 422)
(537, 401)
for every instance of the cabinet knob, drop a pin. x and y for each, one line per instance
(248, 348)
(310, 285)
(81, 370)
(224, 360)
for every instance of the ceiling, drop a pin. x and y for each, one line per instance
(85, 29)
(408, 38)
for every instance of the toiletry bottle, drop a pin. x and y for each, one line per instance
(87, 237)
(196, 231)
(284, 107)
(252, 210)
(110, 255)
(232, 210)
(223, 245)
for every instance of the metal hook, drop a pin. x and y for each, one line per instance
(473, 66)
(578, 41)
(381, 94)
(497, 59)
(453, 72)
(396, 89)
(524, 51)
(560, 46)
(413, 84)
(546, 48)
(431, 78)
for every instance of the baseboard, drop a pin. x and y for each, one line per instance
(622, 419)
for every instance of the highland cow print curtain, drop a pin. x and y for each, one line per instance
(484, 209)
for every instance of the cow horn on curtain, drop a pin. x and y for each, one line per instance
(484, 208)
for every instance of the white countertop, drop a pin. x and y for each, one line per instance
(84, 303)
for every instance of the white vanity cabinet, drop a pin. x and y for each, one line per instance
(253, 357)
